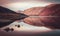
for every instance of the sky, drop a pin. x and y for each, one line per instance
(25, 4)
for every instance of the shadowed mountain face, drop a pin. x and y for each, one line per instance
(5, 10)
(49, 16)
(8, 16)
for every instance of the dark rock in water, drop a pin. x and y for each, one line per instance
(12, 29)
(8, 29)
(17, 26)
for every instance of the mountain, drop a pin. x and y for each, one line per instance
(49, 16)
(5, 10)
(34, 11)
(51, 10)
(8, 16)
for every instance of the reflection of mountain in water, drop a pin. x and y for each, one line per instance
(8, 16)
(50, 13)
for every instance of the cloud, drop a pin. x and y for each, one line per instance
(51, 1)
(10, 1)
